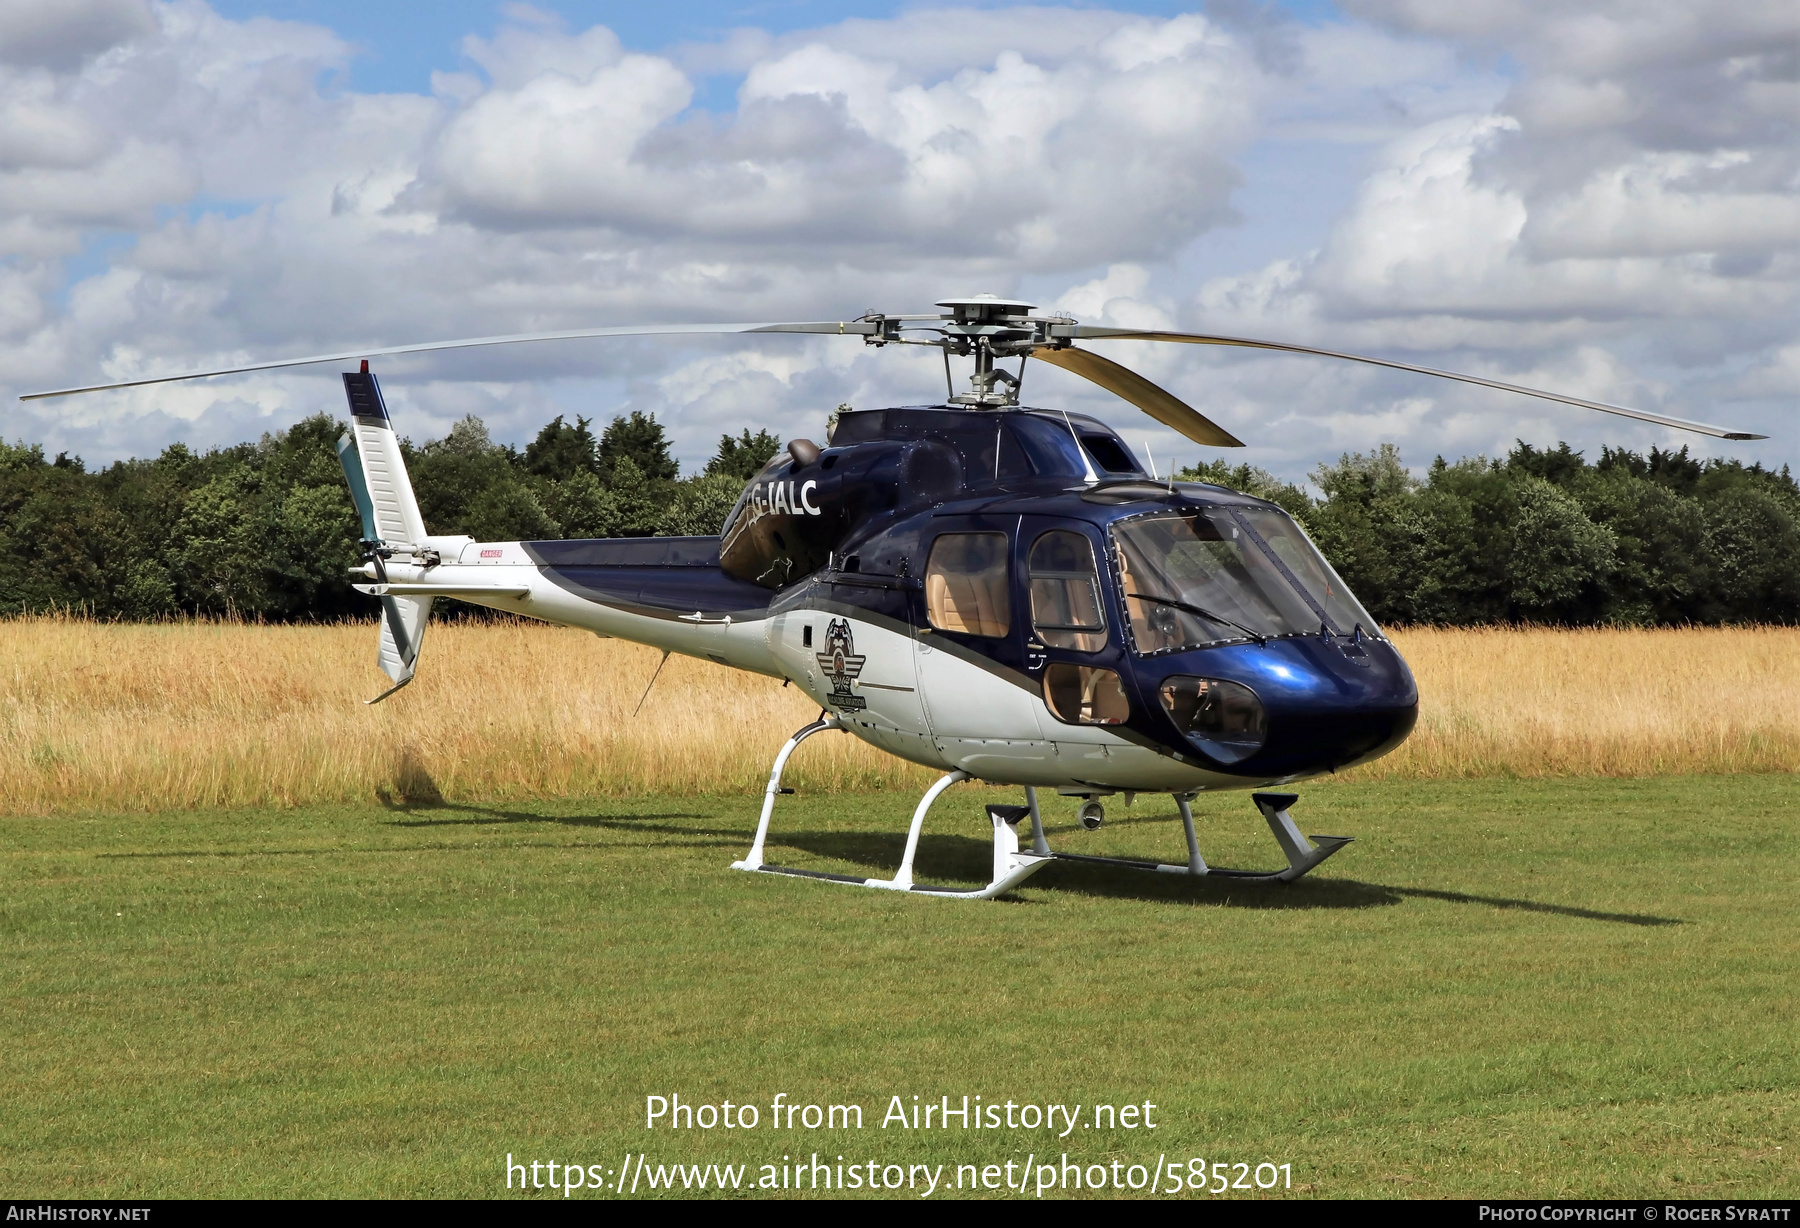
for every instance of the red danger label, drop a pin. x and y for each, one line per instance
(491, 554)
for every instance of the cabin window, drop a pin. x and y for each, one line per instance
(989, 452)
(965, 584)
(1050, 447)
(1109, 454)
(1085, 695)
(1065, 592)
(1225, 718)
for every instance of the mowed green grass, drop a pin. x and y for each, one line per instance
(1504, 988)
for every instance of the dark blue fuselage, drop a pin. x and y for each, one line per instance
(854, 530)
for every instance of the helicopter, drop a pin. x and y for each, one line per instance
(999, 592)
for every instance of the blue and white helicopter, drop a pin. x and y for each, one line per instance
(999, 592)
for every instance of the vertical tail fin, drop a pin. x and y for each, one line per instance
(393, 508)
(391, 523)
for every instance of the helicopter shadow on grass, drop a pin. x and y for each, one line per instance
(460, 814)
(969, 861)
(965, 859)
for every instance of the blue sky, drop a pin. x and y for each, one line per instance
(401, 45)
(1598, 198)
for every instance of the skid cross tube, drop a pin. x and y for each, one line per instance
(1011, 867)
(903, 878)
(1039, 845)
(755, 860)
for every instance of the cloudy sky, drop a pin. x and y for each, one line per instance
(1601, 198)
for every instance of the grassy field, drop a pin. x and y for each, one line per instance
(97, 718)
(1505, 987)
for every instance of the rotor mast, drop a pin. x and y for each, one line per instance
(986, 328)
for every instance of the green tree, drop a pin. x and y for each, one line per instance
(313, 545)
(312, 523)
(1559, 466)
(700, 505)
(638, 502)
(561, 451)
(63, 546)
(640, 440)
(466, 483)
(1369, 525)
(509, 511)
(1659, 570)
(1559, 559)
(1753, 557)
(1503, 545)
(743, 458)
(216, 554)
(582, 506)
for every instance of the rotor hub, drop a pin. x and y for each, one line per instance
(986, 309)
(986, 327)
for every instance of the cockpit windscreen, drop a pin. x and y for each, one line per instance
(1289, 543)
(1213, 575)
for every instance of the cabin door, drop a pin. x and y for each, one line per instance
(981, 705)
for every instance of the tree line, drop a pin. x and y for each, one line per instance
(267, 530)
(1543, 536)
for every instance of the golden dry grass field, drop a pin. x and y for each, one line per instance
(108, 717)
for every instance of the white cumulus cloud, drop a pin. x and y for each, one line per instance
(1614, 214)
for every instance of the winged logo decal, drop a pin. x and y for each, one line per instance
(842, 666)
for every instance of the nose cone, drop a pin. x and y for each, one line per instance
(1328, 703)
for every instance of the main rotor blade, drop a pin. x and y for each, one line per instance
(1127, 384)
(855, 328)
(1096, 332)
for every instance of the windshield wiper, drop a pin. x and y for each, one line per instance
(1191, 608)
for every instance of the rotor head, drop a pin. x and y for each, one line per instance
(986, 309)
(985, 327)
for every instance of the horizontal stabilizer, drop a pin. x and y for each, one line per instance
(443, 590)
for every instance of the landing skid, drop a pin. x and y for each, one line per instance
(1302, 854)
(1012, 867)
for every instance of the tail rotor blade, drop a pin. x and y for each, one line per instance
(351, 460)
(1128, 385)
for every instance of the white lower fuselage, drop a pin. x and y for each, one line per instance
(910, 698)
